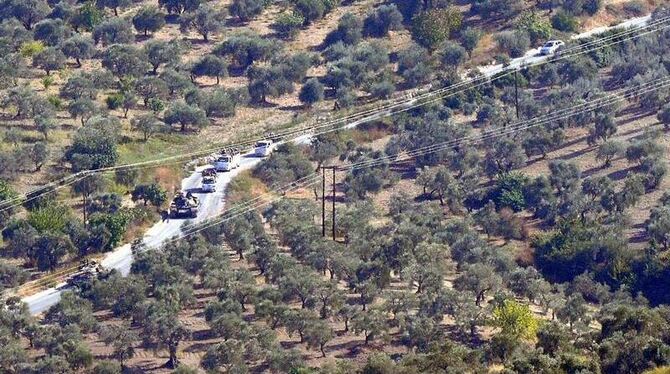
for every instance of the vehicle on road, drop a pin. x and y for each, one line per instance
(209, 172)
(264, 148)
(229, 160)
(550, 47)
(88, 270)
(184, 205)
(208, 184)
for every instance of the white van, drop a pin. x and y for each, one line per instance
(264, 148)
(227, 162)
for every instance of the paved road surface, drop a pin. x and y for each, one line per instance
(533, 55)
(212, 203)
(121, 258)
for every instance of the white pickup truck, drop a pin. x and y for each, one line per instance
(227, 162)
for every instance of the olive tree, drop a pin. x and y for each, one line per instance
(664, 116)
(162, 327)
(210, 66)
(114, 4)
(185, 115)
(160, 52)
(78, 47)
(125, 61)
(113, 31)
(148, 19)
(148, 125)
(49, 59)
(205, 20)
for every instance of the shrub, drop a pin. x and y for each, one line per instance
(537, 28)
(114, 101)
(349, 31)
(311, 92)
(382, 20)
(245, 10)
(383, 89)
(563, 21)
(433, 27)
(514, 43)
(635, 7)
(30, 49)
(287, 24)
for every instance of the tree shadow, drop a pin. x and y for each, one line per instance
(577, 153)
(621, 174)
(292, 108)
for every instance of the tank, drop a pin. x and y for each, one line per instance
(184, 205)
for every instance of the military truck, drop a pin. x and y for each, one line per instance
(184, 205)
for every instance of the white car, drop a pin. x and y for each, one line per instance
(227, 162)
(208, 184)
(550, 47)
(264, 148)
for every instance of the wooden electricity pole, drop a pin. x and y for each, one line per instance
(516, 93)
(323, 202)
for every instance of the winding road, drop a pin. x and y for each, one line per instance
(212, 204)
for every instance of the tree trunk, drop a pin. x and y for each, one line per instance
(172, 362)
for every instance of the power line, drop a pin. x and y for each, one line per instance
(314, 178)
(378, 111)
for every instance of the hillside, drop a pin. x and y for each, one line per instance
(514, 222)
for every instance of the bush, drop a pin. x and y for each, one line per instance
(453, 55)
(114, 101)
(311, 92)
(349, 31)
(311, 10)
(382, 20)
(30, 49)
(514, 43)
(245, 10)
(537, 28)
(562, 21)
(635, 7)
(383, 89)
(433, 27)
(287, 24)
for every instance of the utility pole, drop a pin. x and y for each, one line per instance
(323, 202)
(516, 93)
(333, 203)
